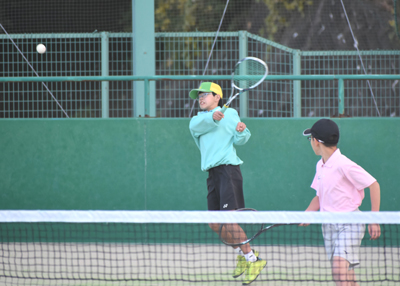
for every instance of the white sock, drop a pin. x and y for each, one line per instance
(239, 251)
(251, 257)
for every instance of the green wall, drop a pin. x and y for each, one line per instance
(154, 164)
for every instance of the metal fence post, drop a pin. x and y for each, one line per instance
(144, 56)
(105, 72)
(243, 52)
(341, 96)
(146, 97)
(297, 84)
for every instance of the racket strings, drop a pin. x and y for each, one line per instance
(248, 73)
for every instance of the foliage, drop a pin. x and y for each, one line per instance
(195, 15)
(277, 16)
(205, 15)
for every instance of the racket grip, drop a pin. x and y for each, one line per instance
(224, 108)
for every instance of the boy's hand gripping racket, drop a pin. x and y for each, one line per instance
(248, 73)
(229, 235)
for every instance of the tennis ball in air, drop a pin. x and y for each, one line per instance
(41, 49)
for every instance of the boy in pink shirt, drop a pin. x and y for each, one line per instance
(340, 184)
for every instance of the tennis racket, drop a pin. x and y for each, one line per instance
(247, 74)
(230, 235)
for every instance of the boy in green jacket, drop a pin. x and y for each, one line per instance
(215, 133)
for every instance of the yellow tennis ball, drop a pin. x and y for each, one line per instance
(41, 49)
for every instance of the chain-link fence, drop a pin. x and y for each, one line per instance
(81, 55)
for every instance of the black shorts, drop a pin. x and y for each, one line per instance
(225, 188)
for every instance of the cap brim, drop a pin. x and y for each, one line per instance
(307, 132)
(195, 92)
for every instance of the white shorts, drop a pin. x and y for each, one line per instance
(344, 240)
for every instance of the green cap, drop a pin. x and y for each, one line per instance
(206, 87)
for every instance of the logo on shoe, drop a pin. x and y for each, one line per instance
(225, 206)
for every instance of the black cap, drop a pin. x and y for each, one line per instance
(325, 130)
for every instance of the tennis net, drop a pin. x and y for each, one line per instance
(179, 248)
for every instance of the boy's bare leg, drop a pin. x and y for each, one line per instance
(232, 233)
(341, 273)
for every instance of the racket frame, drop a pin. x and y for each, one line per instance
(263, 228)
(242, 90)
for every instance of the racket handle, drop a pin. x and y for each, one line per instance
(224, 108)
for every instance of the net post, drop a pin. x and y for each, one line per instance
(105, 72)
(297, 84)
(243, 51)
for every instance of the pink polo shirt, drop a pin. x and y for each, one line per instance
(340, 184)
